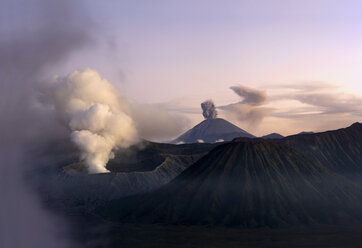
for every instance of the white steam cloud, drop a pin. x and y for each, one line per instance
(96, 114)
(102, 120)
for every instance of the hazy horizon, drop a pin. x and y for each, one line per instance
(305, 56)
(83, 83)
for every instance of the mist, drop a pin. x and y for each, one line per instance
(26, 53)
(39, 110)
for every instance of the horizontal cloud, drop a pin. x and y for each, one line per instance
(319, 99)
(286, 109)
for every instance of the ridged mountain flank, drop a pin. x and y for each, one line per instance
(339, 150)
(247, 183)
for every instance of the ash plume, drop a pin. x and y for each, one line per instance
(208, 110)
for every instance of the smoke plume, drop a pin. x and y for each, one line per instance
(208, 109)
(101, 119)
(250, 109)
(96, 114)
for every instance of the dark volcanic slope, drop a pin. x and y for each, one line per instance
(273, 136)
(339, 150)
(147, 156)
(136, 170)
(212, 130)
(246, 183)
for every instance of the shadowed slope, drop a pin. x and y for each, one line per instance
(138, 169)
(246, 183)
(273, 136)
(339, 150)
(146, 156)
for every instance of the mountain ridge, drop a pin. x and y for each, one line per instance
(340, 150)
(272, 136)
(247, 183)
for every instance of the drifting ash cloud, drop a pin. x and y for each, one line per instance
(250, 96)
(250, 109)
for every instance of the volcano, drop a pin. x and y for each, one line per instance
(247, 183)
(212, 130)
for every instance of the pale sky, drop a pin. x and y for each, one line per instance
(180, 53)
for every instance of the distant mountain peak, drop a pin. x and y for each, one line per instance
(356, 124)
(273, 136)
(212, 130)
